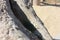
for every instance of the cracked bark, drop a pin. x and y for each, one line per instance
(33, 18)
(10, 27)
(16, 24)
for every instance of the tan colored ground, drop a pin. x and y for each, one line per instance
(50, 15)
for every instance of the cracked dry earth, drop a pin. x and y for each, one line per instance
(9, 25)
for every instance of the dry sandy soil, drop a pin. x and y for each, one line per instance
(50, 15)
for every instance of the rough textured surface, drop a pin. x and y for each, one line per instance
(10, 27)
(34, 20)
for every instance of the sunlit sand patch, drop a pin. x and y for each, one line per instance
(50, 15)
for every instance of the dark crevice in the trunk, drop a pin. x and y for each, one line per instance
(22, 17)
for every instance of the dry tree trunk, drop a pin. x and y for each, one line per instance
(33, 18)
(13, 29)
(10, 27)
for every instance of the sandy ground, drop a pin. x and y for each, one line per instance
(50, 15)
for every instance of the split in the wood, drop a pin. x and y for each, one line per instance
(24, 20)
